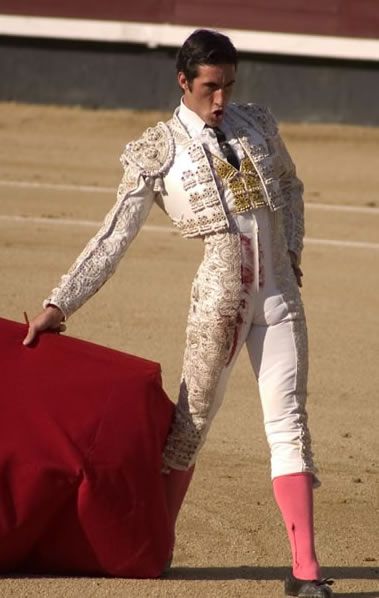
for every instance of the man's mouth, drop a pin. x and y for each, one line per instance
(218, 113)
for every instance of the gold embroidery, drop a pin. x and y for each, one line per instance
(244, 184)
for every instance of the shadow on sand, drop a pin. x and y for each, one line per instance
(275, 573)
(248, 573)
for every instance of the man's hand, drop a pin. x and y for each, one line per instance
(296, 268)
(49, 319)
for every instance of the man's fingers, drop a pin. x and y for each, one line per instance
(298, 274)
(58, 328)
(32, 333)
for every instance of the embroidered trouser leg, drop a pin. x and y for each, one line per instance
(212, 321)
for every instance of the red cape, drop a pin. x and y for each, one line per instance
(81, 434)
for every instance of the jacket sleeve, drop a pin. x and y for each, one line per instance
(292, 190)
(100, 257)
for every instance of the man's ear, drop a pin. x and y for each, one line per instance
(182, 80)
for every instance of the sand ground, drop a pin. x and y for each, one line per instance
(231, 540)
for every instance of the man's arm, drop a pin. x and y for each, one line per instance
(291, 187)
(293, 212)
(100, 257)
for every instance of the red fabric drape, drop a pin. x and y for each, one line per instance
(82, 428)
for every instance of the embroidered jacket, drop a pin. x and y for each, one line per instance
(167, 166)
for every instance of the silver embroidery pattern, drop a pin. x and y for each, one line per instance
(129, 180)
(273, 162)
(248, 119)
(212, 320)
(292, 191)
(247, 280)
(189, 180)
(203, 225)
(178, 131)
(269, 156)
(100, 257)
(262, 154)
(299, 329)
(204, 174)
(262, 116)
(153, 153)
(198, 181)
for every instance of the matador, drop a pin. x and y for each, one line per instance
(222, 173)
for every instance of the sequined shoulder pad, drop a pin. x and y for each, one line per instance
(152, 153)
(258, 115)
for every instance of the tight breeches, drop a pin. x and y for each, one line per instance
(245, 292)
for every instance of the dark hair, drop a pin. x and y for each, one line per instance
(204, 46)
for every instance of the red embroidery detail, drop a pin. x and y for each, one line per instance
(247, 279)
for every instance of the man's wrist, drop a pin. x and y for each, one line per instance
(55, 309)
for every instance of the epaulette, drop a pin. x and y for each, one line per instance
(258, 115)
(152, 153)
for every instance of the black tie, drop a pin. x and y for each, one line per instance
(226, 148)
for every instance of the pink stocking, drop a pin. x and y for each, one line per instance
(294, 496)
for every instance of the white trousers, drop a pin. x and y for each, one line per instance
(237, 298)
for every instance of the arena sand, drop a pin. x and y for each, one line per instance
(230, 540)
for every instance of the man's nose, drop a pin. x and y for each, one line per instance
(219, 97)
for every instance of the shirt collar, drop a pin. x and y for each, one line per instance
(190, 119)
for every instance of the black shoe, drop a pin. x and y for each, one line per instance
(167, 566)
(304, 588)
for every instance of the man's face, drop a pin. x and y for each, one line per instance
(209, 93)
